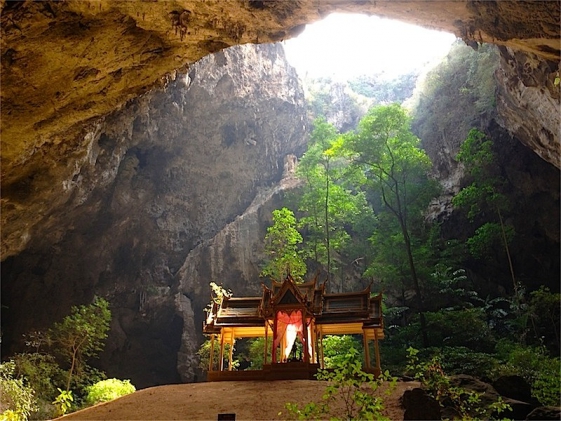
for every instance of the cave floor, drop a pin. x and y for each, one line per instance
(248, 400)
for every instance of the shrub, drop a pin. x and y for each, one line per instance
(462, 360)
(536, 367)
(437, 383)
(107, 390)
(351, 385)
(41, 372)
(256, 348)
(466, 327)
(336, 348)
(63, 402)
(18, 400)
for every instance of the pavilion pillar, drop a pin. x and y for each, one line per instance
(313, 340)
(283, 347)
(366, 349)
(274, 353)
(305, 345)
(321, 361)
(211, 356)
(266, 342)
(230, 359)
(378, 363)
(221, 360)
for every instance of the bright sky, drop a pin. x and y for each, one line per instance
(344, 45)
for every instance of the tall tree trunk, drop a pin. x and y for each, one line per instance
(415, 284)
(399, 213)
(508, 254)
(327, 239)
(71, 371)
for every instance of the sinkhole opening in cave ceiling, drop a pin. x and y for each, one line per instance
(345, 46)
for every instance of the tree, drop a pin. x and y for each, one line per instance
(482, 195)
(329, 204)
(315, 168)
(281, 245)
(389, 156)
(81, 335)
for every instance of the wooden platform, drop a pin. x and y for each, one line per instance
(280, 371)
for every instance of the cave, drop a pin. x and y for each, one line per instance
(100, 198)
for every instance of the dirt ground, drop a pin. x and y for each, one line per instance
(248, 400)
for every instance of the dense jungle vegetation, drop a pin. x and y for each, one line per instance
(56, 376)
(363, 216)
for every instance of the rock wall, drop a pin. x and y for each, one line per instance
(156, 179)
(532, 187)
(443, 119)
(529, 102)
(67, 65)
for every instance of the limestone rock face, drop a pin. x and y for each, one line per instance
(153, 181)
(67, 65)
(528, 102)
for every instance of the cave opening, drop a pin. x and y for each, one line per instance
(343, 46)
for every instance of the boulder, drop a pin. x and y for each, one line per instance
(519, 410)
(514, 387)
(419, 405)
(487, 392)
(545, 413)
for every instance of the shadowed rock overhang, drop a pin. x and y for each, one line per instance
(65, 65)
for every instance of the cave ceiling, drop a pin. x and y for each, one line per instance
(66, 64)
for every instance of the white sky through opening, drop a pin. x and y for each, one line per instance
(344, 46)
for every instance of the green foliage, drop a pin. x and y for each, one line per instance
(17, 398)
(488, 238)
(463, 360)
(257, 352)
(337, 347)
(383, 90)
(74, 340)
(63, 402)
(544, 312)
(463, 327)
(80, 336)
(351, 385)
(43, 375)
(396, 169)
(282, 242)
(454, 95)
(480, 162)
(536, 366)
(483, 194)
(438, 385)
(107, 390)
(476, 152)
(331, 207)
(485, 200)
(204, 355)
